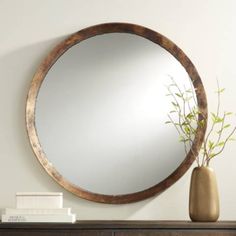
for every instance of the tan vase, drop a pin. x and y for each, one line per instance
(204, 198)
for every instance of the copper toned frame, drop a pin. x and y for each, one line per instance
(57, 52)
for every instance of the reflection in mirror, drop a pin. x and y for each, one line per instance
(101, 112)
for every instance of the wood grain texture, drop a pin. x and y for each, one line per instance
(120, 228)
(57, 52)
(53, 232)
(177, 233)
(123, 225)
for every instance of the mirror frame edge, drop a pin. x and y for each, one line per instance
(57, 52)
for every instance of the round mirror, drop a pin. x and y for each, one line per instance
(96, 113)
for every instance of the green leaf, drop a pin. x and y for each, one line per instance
(226, 126)
(217, 119)
(232, 139)
(190, 115)
(220, 90)
(210, 144)
(221, 130)
(220, 144)
(178, 95)
(189, 91)
(197, 111)
(228, 113)
(213, 114)
(183, 139)
(202, 123)
(187, 129)
(174, 104)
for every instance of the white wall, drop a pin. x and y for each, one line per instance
(204, 29)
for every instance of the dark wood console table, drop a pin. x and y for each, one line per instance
(120, 228)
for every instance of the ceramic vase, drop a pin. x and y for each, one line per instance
(204, 198)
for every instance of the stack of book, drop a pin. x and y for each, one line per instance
(39, 207)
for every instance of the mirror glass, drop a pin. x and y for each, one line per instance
(101, 113)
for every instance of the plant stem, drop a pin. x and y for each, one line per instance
(205, 155)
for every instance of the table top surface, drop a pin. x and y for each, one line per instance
(119, 225)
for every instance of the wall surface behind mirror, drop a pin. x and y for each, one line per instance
(204, 29)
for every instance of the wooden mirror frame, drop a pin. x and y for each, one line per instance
(57, 52)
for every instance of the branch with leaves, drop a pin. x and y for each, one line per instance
(184, 116)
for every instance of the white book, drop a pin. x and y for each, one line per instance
(57, 218)
(39, 200)
(34, 211)
(39, 194)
